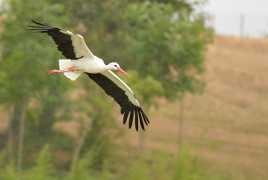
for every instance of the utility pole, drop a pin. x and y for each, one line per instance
(242, 25)
(180, 125)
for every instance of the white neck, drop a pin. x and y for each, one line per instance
(109, 67)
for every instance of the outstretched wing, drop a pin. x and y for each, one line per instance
(72, 46)
(123, 95)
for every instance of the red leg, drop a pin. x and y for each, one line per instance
(56, 71)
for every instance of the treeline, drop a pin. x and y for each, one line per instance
(162, 45)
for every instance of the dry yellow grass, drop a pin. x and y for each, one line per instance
(227, 126)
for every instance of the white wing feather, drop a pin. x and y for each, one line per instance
(80, 47)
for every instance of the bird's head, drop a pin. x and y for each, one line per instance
(116, 67)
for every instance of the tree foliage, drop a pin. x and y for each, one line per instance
(25, 86)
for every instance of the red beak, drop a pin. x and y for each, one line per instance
(121, 71)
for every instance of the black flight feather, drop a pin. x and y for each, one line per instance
(128, 109)
(62, 39)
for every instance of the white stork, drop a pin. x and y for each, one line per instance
(81, 60)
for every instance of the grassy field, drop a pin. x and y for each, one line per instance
(226, 127)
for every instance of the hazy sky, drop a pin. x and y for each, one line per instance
(227, 16)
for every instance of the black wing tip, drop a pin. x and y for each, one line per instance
(137, 115)
(37, 26)
(36, 22)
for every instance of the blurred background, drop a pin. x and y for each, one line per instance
(198, 68)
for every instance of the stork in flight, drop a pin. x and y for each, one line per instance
(81, 60)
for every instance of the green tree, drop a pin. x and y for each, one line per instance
(23, 77)
(168, 42)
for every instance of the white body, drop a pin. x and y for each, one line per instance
(89, 64)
